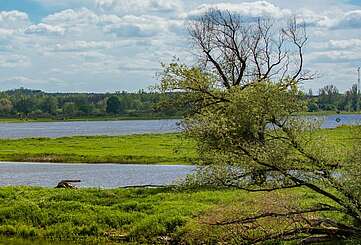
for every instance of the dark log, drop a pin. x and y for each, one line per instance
(67, 184)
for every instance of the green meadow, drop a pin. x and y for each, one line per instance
(142, 149)
(152, 216)
(137, 216)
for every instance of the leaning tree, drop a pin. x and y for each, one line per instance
(243, 96)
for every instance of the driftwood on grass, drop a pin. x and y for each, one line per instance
(67, 184)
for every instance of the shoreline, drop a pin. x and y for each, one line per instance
(86, 119)
(140, 118)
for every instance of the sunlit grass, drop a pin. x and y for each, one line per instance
(143, 149)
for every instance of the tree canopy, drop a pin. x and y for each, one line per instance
(244, 101)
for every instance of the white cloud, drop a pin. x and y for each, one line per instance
(135, 26)
(78, 46)
(44, 29)
(312, 19)
(139, 7)
(23, 80)
(91, 45)
(5, 33)
(351, 19)
(14, 61)
(67, 3)
(246, 9)
(345, 44)
(70, 17)
(336, 56)
(83, 20)
(13, 19)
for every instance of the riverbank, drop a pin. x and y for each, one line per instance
(141, 149)
(329, 113)
(85, 118)
(156, 216)
(137, 117)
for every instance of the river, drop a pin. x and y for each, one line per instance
(64, 129)
(126, 127)
(91, 175)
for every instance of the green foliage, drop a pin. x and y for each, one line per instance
(252, 139)
(329, 99)
(6, 105)
(70, 108)
(136, 215)
(113, 105)
(50, 105)
(24, 103)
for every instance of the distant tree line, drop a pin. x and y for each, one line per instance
(330, 99)
(26, 103)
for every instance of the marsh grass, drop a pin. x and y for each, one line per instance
(136, 215)
(140, 215)
(142, 149)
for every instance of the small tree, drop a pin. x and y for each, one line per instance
(113, 105)
(70, 108)
(244, 98)
(50, 105)
(6, 105)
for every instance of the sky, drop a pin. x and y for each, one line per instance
(116, 45)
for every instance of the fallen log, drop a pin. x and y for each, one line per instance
(67, 184)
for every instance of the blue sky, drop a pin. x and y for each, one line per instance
(34, 9)
(110, 45)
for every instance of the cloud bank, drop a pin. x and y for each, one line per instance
(108, 45)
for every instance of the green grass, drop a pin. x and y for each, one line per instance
(119, 214)
(130, 215)
(136, 215)
(142, 149)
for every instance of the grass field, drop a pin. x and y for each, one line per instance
(160, 215)
(129, 215)
(143, 149)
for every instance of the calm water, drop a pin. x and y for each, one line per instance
(333, 121)
(62, 129)
(91, 175)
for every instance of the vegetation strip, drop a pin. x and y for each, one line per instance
(141, 149)
(127, 215)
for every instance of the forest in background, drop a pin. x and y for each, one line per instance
(27, 103)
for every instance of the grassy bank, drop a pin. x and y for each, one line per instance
(150, 216)
(145, 149)
(130, 215)
(135, 117)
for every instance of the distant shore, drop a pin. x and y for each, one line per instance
(85, 118)
(143, 117)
